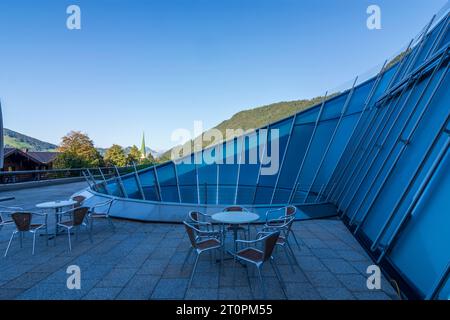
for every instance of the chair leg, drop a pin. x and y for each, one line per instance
(111, 223)
(9, 244)
(34, 242)
(187, 257)
(295, 239)
(292, 254)
(288, 258)
(70, 242)
(278, 274)
(21, 239)
(193, 271)
(262, 283)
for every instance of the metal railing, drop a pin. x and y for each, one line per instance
(9, 177)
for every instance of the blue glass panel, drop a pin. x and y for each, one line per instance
(207, 181)
(297, 146)
(444, 293)
(421, 251)
(267, 180)
(429, 41)
(359, 97)
(228, 172)
(149, 185)
(114, 188)
(333, 107)
(248, 170)
(131, 187)
(187, 179)
(308, 116)
(168, 182)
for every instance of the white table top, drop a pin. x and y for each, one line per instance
(235, 217)
(56, 204)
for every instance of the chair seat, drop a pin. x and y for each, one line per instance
(98, 215)
(66, 223)
(208, 244)
(36, 225)
(6, 222)
(250, 254)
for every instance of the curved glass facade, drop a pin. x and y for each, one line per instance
(378, 151)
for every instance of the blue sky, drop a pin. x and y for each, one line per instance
(160, 65)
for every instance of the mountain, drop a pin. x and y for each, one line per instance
(14, 139)
(154, 153)
(261, 116)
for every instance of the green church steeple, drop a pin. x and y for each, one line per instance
(143, 149)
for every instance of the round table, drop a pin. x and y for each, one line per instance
(56, 206)
(234, 219)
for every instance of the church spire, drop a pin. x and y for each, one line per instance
(143, 149)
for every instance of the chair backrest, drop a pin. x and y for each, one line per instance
(194, 216)
(269, 242)
(78, 215)
(22, 220)
(79, 200)
(190, 230)
(234, 209)
(290, 210)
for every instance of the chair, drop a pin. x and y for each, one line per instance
(251, 254)
(202, 241)
(282, 225)
(77, 216)
(239, 227)
(101, 211)
(5, 215)
(23, 222)
(79, 200)
(285, 212)
(198, 220)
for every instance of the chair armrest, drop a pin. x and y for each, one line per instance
(272, 210)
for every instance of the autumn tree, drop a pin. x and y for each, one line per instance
(134, 155)
(115, 156)
(77, 151)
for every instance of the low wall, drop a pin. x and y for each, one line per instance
(36, 184)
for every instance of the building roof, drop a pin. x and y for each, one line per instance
(41, 157)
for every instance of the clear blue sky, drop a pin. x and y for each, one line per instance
(160, 65)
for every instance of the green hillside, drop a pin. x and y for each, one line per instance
(14, 139)
(261, 116)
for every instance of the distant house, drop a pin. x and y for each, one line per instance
(19, 160)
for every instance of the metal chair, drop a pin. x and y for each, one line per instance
(199, 220)
(101, 211)
(251, 254)
(79, 200)
(283, 225)
(77, 216)
(23, 220)
(285, 213)
(5, 215)
(202, 241)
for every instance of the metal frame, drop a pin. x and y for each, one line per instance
(405, 142)
(120, 182)
(440, 284)
(417, 196)
(366, 103)
(319, 115)
(284, 157)
(155, 171)
(138, 180)
(378, 146)
(178, 183)
(413, 179)
(336, 128)
(261, 160)
(438, 39)
(239, 166)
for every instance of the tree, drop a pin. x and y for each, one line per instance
(115, 156)
(77, 151)
(149, 160)
(134, 156)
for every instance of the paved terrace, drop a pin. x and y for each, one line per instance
(143, 261)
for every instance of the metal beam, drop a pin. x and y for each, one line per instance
(177, 182)
(410, 135)
(120, 183)
(319, 115)
(415, 200)
(438, 39)
(138, 181)
(284, 156)
(261, 161)
(364, 168)
(239, 167)
(157, 183)
(366, 103)
(336, 128)
(439, 284)
(411, 182)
